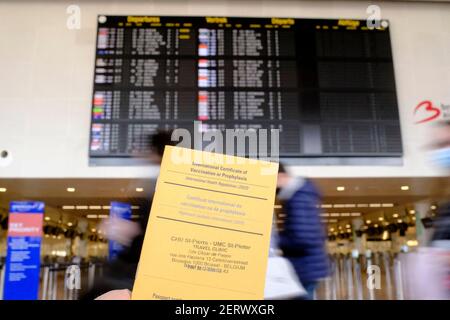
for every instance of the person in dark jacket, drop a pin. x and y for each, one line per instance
(302, 235)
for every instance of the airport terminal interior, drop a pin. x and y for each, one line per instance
(359, 92)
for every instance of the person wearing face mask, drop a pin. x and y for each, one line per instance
(440, 157)
(440, 147)
(429, 267)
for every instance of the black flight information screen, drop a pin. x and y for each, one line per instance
(327, 85)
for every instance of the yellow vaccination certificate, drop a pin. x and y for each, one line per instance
(209, 228)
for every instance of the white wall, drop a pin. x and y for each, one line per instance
(46, 77)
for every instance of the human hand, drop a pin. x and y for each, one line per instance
(124, 294)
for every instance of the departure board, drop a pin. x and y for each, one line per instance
(327, 85)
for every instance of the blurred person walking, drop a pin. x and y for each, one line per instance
(302, 235)
(119, 274)
(440, 241)
(427, 271)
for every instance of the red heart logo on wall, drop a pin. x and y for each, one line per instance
(430, 109)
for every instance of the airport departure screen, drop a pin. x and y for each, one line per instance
(327, 85)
